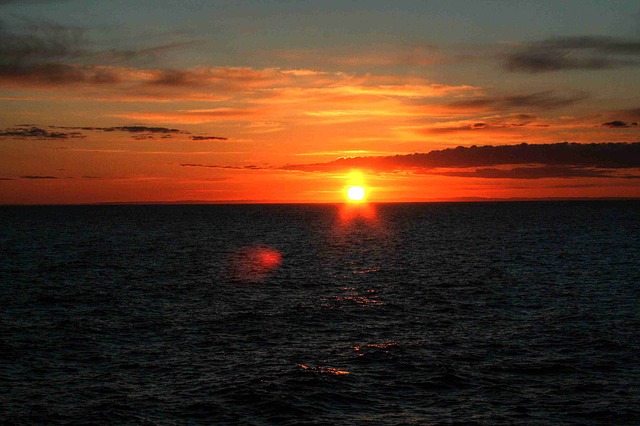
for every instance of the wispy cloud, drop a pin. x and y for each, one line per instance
(217, 166)
(54, 60)
(537, 100)
(473, 127)
(42, 42)
(389, 55)
(194, 116)
(44, 54)
(573, 53)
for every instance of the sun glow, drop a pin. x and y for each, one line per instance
(356, 193)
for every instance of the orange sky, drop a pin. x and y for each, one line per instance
(94, 110)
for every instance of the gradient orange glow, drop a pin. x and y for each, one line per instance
(84, 120)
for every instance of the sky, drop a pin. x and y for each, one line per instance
(294, 101)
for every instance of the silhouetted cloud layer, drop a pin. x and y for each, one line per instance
(618, 124)
(139, 129)
(139, 132)
(26, 131)
(543, 100)
(538, 173)
(208, 138)
(544, 160)
(216, 166)
(574, 53)
(32, 132)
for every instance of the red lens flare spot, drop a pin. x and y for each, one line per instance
(268, 258)
(254, 264)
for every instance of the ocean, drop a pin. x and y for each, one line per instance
(433, 313)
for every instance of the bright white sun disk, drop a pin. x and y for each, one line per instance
(355, 193)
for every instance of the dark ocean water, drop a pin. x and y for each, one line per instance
(478, 313)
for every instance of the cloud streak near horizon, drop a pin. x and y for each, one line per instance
(562, 160)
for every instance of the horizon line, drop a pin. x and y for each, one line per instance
(290, 202)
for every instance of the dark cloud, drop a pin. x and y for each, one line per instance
(129, 129)
(138, 132)
(37, 133)
(545, 61)
(572, 155)
(41, 42)
(546, 99)
(216, 166)
(208, 138)
(600, 44)
(140, 129)
(463, 128)
(41, 54)
(50, 73)
(618, 124)
(174, 78)
(499, 125)
(4, 178)
(24, 131)
(38, 177)
(573, 53)
(47, 53)
(537, 173)
(538, 100)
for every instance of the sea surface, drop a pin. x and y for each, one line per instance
(442, 313)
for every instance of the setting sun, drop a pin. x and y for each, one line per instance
(355, 193)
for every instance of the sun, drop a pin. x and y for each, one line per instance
(355, 193)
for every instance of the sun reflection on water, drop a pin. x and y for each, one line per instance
(350, 212)
(324, 370)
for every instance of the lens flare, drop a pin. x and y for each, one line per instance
(254, 264)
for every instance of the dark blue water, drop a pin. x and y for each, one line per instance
(480, 313)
